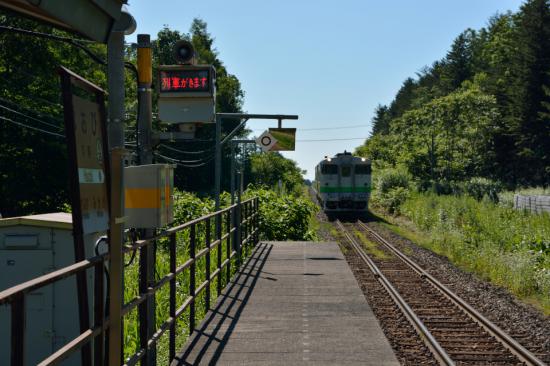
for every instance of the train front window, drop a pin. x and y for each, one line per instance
(346, 171)
(362, 169)
(329, 169)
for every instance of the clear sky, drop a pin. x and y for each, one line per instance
(330, 62)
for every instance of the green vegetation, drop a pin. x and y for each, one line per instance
(268, 169)
(370, 247)
(481, 111)
(391, 189)
(284, 217)
(507, 247)
(467, 128)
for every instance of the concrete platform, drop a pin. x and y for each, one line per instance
(294, 303)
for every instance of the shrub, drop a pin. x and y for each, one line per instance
(480, 188)
(283, 217)
(389, 179)
(391, 190)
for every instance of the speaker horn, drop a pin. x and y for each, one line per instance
(184, 53)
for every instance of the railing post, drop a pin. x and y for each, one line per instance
(245, 232)
(258, 218)
(238, 231)
(172, 346)
(18, 331)
(99, 313)
(229, 219)
(192, 280)
(207, 269)
(219, 251)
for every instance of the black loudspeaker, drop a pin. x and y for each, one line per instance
(184, 52)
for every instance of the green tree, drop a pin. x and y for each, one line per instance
(33, 164)
(269, 168)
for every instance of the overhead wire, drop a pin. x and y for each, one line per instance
(31, 127)
(186, 152)
(73, 41)
(324, 128)
(199, 161)
(30, 117)
(328, 140)
(186, 164)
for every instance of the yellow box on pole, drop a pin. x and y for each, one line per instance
(148, 195)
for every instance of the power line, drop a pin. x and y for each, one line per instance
(186, 152)
(325, 128)
(179, 163)
(198, 161)
(30, 117)
(72, 41)
(327, 140)
(31, 127)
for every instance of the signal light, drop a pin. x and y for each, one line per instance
(183, 52)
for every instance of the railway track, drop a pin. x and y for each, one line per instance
(454, 332)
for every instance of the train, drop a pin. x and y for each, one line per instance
(343, 183)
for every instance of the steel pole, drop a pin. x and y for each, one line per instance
(218, 168)
(115, 83)
(233, 172)
(115, 130)
(147, 323)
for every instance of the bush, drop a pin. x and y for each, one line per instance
(480, 188)
(285, 217)
(391, 190)
(389, 179)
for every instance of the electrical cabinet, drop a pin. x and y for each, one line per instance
(148, 195)
(32, 246)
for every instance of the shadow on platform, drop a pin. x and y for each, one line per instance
(204, 346)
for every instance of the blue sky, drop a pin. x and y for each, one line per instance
(330, 62)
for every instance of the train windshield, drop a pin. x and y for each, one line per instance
(363, 169)
(346, 171)
(329, 169)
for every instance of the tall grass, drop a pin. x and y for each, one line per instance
(510, 248)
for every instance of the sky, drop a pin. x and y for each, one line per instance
(330, 62)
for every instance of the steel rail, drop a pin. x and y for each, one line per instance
(429, 340)
(506, 340)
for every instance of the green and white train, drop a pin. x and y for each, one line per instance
(343, 183)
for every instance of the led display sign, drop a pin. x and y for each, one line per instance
(177, 81)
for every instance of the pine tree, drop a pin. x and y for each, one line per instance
(533, 130)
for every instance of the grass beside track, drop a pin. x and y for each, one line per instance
(509, 248)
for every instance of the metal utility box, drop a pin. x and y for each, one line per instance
(187, 93)
(148, 195)
(32, 246)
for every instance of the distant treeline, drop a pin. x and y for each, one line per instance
(481, 111)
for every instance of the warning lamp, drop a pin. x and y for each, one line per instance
(183, 52)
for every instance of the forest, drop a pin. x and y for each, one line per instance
(482, 111)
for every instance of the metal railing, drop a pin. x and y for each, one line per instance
(236, 225)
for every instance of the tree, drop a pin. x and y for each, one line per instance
(270, 168)
(33, 163)
(533, 130)
(458, 64)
